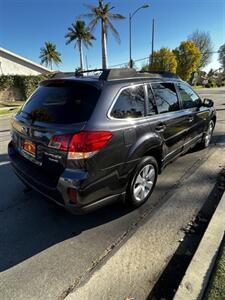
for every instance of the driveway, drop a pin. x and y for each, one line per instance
(44, 250)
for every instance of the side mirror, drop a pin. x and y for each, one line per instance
(208, 102)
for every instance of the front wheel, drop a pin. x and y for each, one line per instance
(207, 136)
(142, 182)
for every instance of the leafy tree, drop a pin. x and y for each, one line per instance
(81, 35)
(102, 13)
(203, 41)
(164, 60)
(188, 59)
(222, 56)
(145, 68)
(49, 55)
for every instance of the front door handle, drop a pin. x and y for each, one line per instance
(160, 127)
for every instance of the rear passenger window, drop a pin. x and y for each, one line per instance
(130, 103)
(189, 98)
(165, 97)
(150, 104)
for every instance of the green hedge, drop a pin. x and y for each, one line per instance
(26, 84)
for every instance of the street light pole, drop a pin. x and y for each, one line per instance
(130, 33)
(130, 57)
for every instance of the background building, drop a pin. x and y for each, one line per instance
(13, 64)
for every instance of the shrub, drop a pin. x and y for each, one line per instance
(26, 84)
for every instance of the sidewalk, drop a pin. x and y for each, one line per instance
(197, 276)
(133, 270)
(216, 287)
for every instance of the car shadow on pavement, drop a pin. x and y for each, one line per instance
(4, 157)
(30, 223)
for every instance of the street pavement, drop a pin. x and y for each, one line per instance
(45, 251)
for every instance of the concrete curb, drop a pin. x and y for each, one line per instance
(196, 278)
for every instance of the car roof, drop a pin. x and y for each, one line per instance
(113, 76)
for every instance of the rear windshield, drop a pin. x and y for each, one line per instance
(62, 103)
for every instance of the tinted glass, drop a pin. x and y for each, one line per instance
(188, 96)
(62, 103)
(150, 104)
(165, 97)
(130, 104)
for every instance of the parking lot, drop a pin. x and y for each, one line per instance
(44, 250)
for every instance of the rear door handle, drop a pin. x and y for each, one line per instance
(160, 127)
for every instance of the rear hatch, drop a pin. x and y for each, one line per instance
(56, 108)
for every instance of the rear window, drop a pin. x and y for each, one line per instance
(62, 103)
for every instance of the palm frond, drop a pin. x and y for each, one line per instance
(114, 31)
(89, 16)
(93, 23)
(49, 55)
(116, 17)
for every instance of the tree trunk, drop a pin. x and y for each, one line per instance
(81, 55)
(104, 47)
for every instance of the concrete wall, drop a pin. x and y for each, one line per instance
(10, 65)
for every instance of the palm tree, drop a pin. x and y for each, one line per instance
(102, 13)
(81, 34)
(49, 55)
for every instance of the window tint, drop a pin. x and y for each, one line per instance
(130, 104)
(150, 103)
(188, 96)
(165, 97)
(61, 103)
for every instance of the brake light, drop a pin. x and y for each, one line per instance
(81, 145)
(87, 143)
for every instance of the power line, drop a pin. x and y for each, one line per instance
(148, 57)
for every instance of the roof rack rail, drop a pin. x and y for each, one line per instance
(115, 74)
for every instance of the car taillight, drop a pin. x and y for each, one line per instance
(81, 145)
(72, 193)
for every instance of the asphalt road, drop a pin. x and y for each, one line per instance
(44, 250)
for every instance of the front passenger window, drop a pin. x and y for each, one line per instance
(189, 98)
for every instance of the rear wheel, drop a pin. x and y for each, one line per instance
(142, 182)
(207, 136)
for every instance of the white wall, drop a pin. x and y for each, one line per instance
(10, 65)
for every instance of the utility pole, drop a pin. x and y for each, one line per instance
(153, 37)
(86, 62)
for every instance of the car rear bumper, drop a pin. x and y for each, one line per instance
(56, 189)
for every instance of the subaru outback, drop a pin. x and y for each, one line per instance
(85, 141)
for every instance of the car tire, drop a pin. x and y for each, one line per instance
(142, 182)
(207, 136)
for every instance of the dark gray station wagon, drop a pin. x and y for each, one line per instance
(85, 141)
